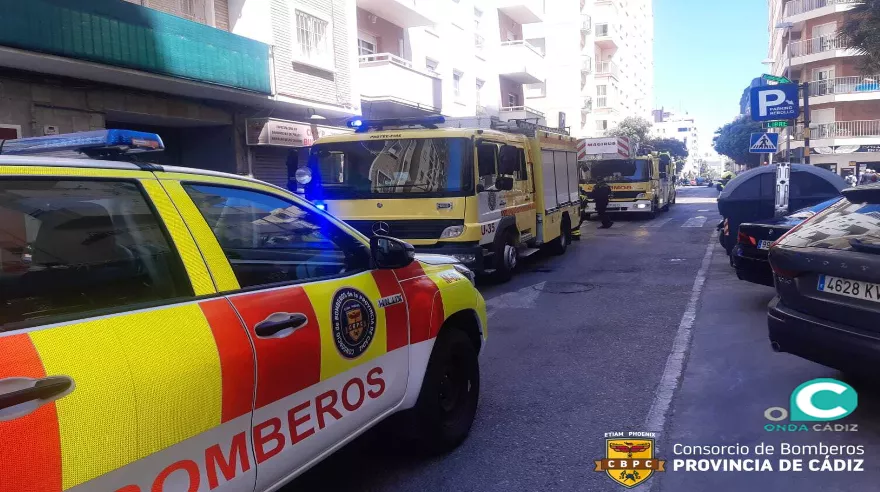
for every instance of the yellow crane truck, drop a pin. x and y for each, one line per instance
(639, 183)
(483, 191)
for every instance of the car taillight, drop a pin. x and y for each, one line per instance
(746, 239)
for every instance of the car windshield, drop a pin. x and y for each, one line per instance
(619, 170)
(839, 226)
(369, 168)
(807, 212)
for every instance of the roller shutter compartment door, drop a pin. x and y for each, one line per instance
(270, 165)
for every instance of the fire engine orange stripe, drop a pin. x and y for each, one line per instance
(30, 446)
(236, 358)
(395, 314)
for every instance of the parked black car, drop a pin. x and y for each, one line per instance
(750, 252)
(827, 272)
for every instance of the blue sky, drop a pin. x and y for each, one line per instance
(705, 53)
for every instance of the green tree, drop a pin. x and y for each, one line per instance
(732, 140)
(861, 31)
(635, 128)
(676, 149)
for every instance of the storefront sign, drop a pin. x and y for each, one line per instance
(282, 133)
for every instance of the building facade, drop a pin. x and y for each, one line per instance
(845, 104)
(204, 74)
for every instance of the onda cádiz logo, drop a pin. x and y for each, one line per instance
(818, 400)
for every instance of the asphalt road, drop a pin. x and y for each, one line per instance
(643, 326)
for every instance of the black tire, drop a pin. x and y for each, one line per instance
(560, 244)
(653, 213)
(504, 264)
(447, 402)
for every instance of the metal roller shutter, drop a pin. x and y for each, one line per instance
(270, 164)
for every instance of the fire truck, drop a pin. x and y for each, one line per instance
(481, 190)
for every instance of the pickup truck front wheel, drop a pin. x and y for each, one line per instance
(447, 402)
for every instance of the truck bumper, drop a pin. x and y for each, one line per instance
(470, 254)
(633, 206)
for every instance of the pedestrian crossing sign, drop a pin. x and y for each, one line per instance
(763, 143)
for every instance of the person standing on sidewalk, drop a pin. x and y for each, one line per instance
(602, 193)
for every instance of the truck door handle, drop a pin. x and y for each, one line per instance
(276, 323)
(44, 389)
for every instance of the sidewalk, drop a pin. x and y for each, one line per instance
(731, 377)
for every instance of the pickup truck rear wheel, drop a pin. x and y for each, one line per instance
(450, 391)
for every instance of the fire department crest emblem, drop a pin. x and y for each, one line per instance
(629, 462)
(354, 322)
(492, 200)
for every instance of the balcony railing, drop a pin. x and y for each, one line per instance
(123, 34)
(586, 64)
(386, 57)
(607, 68)
(588, 105)
(816, 45)
(526, 109)
(479, 41)
(586, 24)
(844, 85)
(795, 7)
(846, 129)
(523, 42)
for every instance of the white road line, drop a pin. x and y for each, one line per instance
(697, 221)
(524, 298)
(672, 373)
(657, 223)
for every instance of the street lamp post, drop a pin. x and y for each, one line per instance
(787, 26)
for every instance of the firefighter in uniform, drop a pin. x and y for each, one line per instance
(602, 193)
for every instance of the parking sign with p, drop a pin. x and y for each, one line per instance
(775, 102)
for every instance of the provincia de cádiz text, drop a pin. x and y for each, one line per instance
(781, 457)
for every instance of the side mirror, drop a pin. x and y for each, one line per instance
(389, 253)
(719, 187)
(503, 183)
(508, 162)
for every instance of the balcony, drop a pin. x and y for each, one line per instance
(586, 64)
(393, 87)
(508, 113)
(586, 24)
(816, 49)
(479, 42)
(843, 89)
(96, 39)
(522, 11)
(607, 69)
(797, 11)
(587, 106)
(404, 13)
(521, 62)
(606, 37)
(845, 129)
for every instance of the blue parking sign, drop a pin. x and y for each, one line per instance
(775, 102)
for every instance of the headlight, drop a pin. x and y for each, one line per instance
(303, 175)
(451, 231)
(466, 272)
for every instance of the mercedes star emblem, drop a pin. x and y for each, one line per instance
(381, 228)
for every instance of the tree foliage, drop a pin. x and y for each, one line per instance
(635, 128)
(732, 140)
(861, 31)
(675, 147)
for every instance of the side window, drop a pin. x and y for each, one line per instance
(270, 240)
(68, 247)
(522, 173)
(487, 163)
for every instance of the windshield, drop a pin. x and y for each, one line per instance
(619, 170)
(373, 168)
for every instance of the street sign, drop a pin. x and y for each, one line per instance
(775, 124)
(776, 78)
(775, 102)
(763, 143)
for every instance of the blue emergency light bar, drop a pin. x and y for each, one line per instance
(430, 122)
(95, 143)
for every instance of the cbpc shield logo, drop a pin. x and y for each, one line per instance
(819, 400)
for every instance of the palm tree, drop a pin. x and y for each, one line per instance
(861, 31)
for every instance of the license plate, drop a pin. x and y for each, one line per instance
(849, 288)
(764, 244)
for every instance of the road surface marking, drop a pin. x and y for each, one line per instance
(657, 223)
(524, 298)
(704, 210)
(697, 221)
(672, 373)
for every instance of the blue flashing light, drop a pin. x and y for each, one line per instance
(355, 123)
(97, 142)
(321, 206)
(362, 125)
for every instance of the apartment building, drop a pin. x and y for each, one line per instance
(230, 85)
(845, 104)
(453, 57)
(682, 127)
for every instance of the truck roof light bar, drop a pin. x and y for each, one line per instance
(96, 144)
(430, 122)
